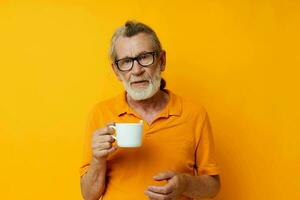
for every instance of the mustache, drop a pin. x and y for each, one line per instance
(139, 78)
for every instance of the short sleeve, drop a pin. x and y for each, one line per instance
(91, 125)
(205, 153)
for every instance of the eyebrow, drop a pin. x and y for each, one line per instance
(142, 52)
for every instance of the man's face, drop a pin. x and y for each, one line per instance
(140, 82)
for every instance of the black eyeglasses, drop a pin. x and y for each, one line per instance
(144, 59)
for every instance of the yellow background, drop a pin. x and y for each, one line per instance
(240, 59)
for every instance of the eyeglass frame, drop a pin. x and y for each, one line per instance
(153, 53)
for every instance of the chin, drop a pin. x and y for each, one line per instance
(140, 95)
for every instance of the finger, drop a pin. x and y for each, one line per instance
(104, 131)
(108, 125)
(164, 176)
(112, 149)
(101, 131)
(105, 145)
(167, 189)
(102, 146)
(104, 138)
(153, 195)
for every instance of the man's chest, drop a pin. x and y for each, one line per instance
(167, 147)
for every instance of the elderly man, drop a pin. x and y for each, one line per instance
(176, 159)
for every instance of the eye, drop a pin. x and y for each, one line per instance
(126, 61)
(144, 56)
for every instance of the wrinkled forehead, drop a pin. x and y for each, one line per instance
(133, 46)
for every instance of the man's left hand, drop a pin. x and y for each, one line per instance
(172, 190)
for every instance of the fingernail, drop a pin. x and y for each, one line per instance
(151, 188)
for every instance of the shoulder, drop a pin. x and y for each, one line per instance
(191, 109)
(109, 104)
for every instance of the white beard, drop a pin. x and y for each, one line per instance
(143, 93)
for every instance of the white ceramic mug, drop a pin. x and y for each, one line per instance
(128, 134)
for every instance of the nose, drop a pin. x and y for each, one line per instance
(137, 69)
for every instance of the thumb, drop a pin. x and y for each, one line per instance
(164, 176)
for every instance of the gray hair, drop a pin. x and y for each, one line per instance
(132, 28)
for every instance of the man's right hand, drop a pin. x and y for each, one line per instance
(102, 143)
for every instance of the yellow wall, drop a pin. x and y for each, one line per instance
(238, 58)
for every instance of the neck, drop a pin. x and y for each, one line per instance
(153, 104)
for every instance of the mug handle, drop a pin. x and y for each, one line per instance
(113, 127)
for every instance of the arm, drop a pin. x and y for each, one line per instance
(93, 182)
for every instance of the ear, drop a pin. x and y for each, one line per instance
(114, 68)
(162, 60)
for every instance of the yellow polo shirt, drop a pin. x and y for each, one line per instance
(179, 139)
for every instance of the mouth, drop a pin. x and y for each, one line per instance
(139, 83)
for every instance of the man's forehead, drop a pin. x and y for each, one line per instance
(132, 46)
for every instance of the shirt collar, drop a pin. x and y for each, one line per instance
(173, 107)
